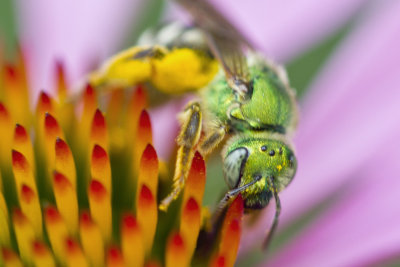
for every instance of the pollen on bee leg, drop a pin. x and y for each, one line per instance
(41, 255)
(4, 225)
(115, 258)
(231, 231)
(64, 161)
(57, 232)
(100, 166)
(146, 212)
(132, 242)
(92, 240)
(100, 208)
(10, 258)
(67, 203)
(176, 252)
(74, 254)
(29, 202)
(191, 204)
(25, 235)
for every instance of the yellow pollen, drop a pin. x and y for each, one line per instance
(279, 167)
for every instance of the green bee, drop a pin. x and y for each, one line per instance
(251, 102)
(248, 101)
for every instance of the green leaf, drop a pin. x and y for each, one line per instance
(303, 69)
(8, 27)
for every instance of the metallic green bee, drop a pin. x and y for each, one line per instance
(249, 101)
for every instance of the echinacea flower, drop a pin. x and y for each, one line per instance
(345, 193)
(82, 190)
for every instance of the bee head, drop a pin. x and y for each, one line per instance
(262, 158)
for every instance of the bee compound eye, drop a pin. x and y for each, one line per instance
(233, 166)
(292, 161)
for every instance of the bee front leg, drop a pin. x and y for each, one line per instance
(212, 140)
(191, 119)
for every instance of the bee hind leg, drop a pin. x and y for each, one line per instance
(191, 119)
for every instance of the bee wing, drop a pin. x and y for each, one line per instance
(225, 42)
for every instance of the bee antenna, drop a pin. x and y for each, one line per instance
(223, 204)
(270, 233)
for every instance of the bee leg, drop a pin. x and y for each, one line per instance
(212, 140)
(229, 196)
(189, 136)
(276, 217)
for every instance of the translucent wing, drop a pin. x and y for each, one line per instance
(225, 42)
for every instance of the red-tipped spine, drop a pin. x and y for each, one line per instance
(176, 254)
(231, 231)
(190, 220)
(92, 240)
(100, 208)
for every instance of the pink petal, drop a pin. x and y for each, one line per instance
(362, 228)
(282, 29)
(349, 116)
(351, 110)
(80, 33)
